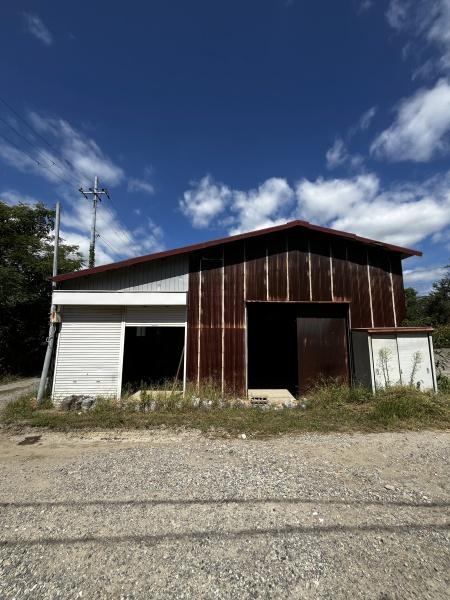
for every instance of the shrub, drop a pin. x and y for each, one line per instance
(405, 403)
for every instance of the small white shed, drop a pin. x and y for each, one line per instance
(388, 356)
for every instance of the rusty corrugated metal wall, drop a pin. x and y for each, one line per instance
(289, 266)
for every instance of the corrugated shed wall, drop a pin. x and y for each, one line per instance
(89, 353)
(295, 265)
(165, 275)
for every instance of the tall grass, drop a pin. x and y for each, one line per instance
(329, 407)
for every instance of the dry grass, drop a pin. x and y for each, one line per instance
(328, 408)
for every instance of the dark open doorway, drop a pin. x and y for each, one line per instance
(152, 356)
(295, 345)
(272, 346)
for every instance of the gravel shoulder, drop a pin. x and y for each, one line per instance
(163, 514)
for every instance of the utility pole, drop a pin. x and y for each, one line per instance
(96, 194)
(52, 328)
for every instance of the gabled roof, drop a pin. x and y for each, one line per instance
(405, 252)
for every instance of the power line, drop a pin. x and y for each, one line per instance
(32, 129)
(33, 158)
(107, 243)
(33, 145)
(124, 232)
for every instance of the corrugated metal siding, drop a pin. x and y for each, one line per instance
(166, 275)
(296, 265)
(88, 356)
(155, 314)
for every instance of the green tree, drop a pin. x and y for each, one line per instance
(438, 301)
(26, 257)
(415, 309)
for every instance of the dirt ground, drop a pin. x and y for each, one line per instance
(177, 515)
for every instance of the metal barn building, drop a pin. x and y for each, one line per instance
(276, 308)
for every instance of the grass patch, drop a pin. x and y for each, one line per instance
(329, 408)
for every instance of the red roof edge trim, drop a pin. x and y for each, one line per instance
(405, 252)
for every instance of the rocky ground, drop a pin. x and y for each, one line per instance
(177, 515)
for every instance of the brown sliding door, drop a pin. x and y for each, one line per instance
(322, 348)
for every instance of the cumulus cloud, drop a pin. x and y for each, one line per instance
(402, 214)
(204, 201)
(421, 128)
(35, 27)
(207, 200)
(261, 207)
(326, 199)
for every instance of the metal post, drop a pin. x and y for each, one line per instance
(93, 222)
(52, 328)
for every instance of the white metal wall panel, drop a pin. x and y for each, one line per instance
(386, 343)
(165, 275)
(89, 351)
(408, 345)
(175, 315)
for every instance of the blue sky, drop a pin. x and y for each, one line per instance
(206, 118)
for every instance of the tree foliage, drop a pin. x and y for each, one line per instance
(432, 309)
(26, 259)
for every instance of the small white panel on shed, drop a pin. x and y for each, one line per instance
(385, 360)
(415, 366)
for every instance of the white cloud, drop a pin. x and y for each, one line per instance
(35, 26)
(337, 154)
(204, 201)
(262, 207)
(421, 128)
(326, 199)
(140, 185)
(365, 6)
(71, 156)
(367, 117)
(115, 240)
(424, 274)
(428, 23)
(422, 278)
(401, 214)
(14, 197)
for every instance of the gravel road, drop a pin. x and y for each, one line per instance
(12, 391)
(176, 515)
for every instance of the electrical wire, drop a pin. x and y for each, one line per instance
(108, 243)
(35, 160)
(125, 232)
(52, 162)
